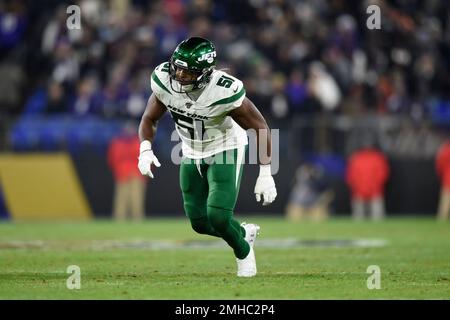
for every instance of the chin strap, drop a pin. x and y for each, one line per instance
(179, 91)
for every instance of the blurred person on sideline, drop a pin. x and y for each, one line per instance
(129, 195)
(443, 171)
(367, 173)
(311, 196)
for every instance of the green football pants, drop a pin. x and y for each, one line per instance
(210, 187)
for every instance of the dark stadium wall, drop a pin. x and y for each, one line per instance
(412, 189)
(97, 181)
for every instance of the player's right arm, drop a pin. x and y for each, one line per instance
(153, 112)
(147, 130)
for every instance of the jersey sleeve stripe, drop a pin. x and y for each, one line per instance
(229, 99)
(159, 83)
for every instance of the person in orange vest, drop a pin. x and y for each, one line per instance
(443, 171)
(367, 173)
(130, 185)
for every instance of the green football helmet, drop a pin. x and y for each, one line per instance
(196, 55)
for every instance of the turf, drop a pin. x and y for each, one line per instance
(414, 262)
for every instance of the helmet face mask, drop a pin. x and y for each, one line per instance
(197, 57)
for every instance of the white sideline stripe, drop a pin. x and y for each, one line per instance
(275, 243)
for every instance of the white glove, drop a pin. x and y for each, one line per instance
(147, 158)
(265, 185)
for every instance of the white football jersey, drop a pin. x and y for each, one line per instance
(203, 125)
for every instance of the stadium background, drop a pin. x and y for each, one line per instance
(389, 85)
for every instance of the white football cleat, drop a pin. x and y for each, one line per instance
(251, 231)
(247, 266)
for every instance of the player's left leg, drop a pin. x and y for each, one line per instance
(224, 177)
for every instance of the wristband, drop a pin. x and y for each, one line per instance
(145, 146)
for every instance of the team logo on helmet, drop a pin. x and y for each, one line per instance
(209, 57)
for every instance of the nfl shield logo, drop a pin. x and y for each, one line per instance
(188, 104)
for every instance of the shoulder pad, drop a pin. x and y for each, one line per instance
(228, 90)
(160, 80)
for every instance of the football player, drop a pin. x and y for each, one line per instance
(211, 113)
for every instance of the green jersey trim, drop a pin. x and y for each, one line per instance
(159, 83)
(231, 99)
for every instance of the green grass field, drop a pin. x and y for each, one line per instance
(129, 261)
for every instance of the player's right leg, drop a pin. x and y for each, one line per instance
(194, 187)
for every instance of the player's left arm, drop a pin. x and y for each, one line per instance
(249, 117)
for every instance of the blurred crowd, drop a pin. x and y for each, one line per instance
(296, 58)
(313, 68)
